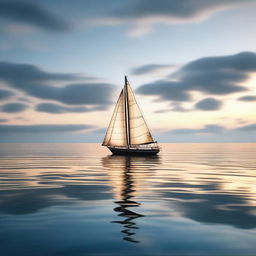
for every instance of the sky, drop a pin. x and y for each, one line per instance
(191, 63)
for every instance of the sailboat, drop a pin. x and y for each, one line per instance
(128, 132)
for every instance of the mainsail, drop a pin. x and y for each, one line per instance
(138, 129)
(127, 126)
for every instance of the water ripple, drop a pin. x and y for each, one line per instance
(202, 186)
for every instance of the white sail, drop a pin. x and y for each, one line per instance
(116, 133)
(138, 129)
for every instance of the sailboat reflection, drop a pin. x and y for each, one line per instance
(127, 174)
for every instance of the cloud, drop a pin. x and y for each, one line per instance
(210, 133)
(74, 94)
(143, 14)
(43, 128)
(23, 12)
(221, 75)
(26, 73)
(208, 104)
(217, 75)
(248, 98)
(214, 128)
(165, 90)
(150, 68)
(101, 130)
(161, 111)
(35, 82)
(5, 94)
(246, 128)
(210, 128)
(13, 107)
(60, 109)
(2, 120)
(24, 99)
(175, 106)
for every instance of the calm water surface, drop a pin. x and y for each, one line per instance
(77, 199)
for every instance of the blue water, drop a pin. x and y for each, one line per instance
(77, 199)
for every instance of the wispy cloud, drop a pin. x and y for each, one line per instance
(14, 107)
(246, 128)
(215, 129)
(210, 128)
(5, 94)
(175, 107)
(43, 128)
(60, 109)
(142, 15)
(150, 68)
(32, 14)
(248, 98)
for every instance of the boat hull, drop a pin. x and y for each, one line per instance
(131, 151)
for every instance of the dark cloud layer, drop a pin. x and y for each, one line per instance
(26, 74)
(143, 14)
(13, 107)
(208, 104)
(60, 109)
(31, 14)
(172, 9)
(5, 94)
(44, 128)
(211, 75)
(246, 128)
(248, 98)
(35, 82)
(74, 94)
(166, 90)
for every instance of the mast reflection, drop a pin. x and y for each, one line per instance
(126, 204)
(126, 173)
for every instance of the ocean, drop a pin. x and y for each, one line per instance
(77, 199)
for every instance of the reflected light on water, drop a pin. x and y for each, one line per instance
(126, 174)
(200, 196)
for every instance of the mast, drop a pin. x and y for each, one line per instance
(127, 116)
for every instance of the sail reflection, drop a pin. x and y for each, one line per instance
(126, 175)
